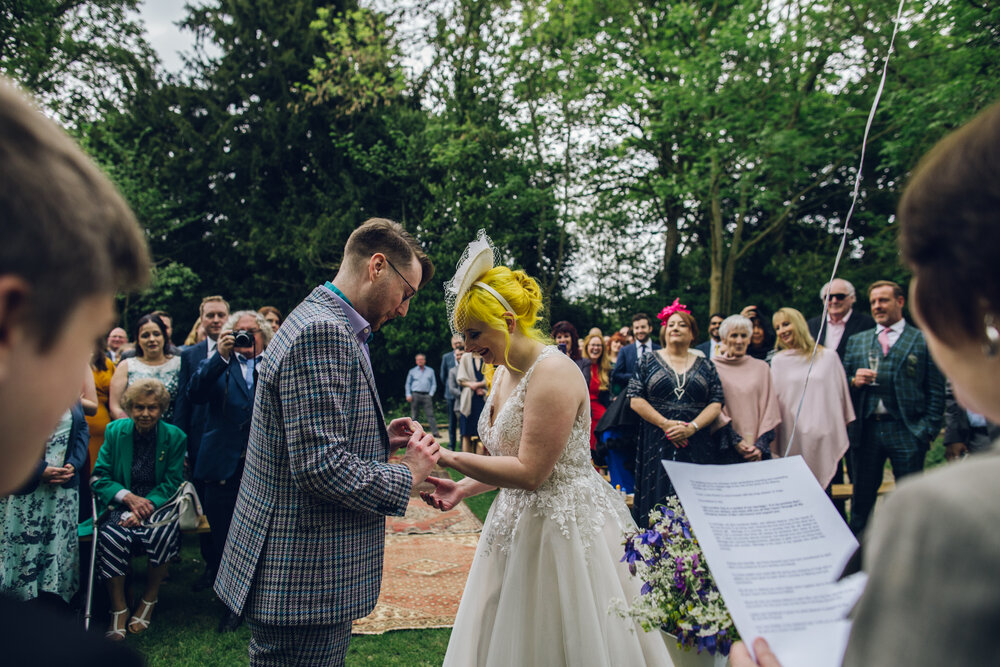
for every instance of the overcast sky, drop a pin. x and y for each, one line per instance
(160, 17)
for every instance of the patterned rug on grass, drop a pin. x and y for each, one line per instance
(428, 554)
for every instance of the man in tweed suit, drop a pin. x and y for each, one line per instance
(304, 553)
(900, 414)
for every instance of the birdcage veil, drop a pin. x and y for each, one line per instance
(479, 257)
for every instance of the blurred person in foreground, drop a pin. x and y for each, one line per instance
(932, 552)
(70, 243)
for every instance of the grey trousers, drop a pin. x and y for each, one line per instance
(424, 402)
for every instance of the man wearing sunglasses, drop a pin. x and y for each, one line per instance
(841, 321)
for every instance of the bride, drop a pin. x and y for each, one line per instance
(548, 563)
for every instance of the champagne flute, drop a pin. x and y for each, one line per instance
(873, 359)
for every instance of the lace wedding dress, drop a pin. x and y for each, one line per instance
(548, 563)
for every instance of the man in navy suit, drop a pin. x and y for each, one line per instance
(841, 320)
(225, 383)
(629, 355)
(711, 347)
(190, 418)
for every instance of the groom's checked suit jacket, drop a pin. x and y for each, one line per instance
(307, 538)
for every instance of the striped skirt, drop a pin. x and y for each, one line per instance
(116, 545)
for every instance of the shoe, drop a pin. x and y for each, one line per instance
(142, 618)
(116, 634)
(230, 622)
(204, 582)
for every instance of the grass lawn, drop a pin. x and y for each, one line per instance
(182, 632)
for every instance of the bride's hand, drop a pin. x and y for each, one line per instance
(445, 496)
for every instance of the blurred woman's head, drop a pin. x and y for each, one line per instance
(272, 315)
(949, 218)
(617, 341)
(145, 401)
(792, 331)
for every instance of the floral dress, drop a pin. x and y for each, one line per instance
(39, 548)
(168, 373)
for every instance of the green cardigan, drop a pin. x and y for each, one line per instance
(113, 470)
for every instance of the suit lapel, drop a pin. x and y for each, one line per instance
(324, 299)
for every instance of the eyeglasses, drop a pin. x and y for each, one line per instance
(412, 289)
(837, 297)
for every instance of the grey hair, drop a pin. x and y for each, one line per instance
(265, 327)
(144, 387)
(826, 288)
(732, 323)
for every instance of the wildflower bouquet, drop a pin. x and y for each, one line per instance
(679, 594)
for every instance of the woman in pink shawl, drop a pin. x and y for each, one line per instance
(746, 382)
(821, 432)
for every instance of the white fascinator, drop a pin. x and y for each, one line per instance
(479, 257)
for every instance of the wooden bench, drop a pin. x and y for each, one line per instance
(202, 527)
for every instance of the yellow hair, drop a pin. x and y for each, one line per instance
(802, 340)
(523, 294)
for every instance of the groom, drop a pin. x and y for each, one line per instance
(304, 553)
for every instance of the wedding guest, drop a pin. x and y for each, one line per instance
(614, 347)
(567, 339)
(151, 361)
(272, 315)
(712, 347)
(139, 468)
(750, 399)
(677, 393)
(821, 429)
(102, 368)
(762, 340)
(456, 389)
(196, 335)
(932, 551)
(596, 371)
(449, 361)
(169, 348)
(39, 548)
(965, 432)
(471, 378)
(841, 320)
(117, 343)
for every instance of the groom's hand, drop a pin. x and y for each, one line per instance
(422, 453)
(401, 430)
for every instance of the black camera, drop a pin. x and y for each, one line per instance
(242, 338)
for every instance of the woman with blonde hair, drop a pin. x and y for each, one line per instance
(821, 431)
(547, 565)
(596, 371)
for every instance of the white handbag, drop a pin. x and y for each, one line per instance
(184, 506)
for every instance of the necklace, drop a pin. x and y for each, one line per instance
(680, 379)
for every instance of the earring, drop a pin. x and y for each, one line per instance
(992, 345)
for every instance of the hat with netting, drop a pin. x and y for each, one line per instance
(478, 258)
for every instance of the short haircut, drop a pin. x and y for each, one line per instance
(949, 229)
(209, 299)
(67, 231)
(714, 315)
(688, 318)
(642, 316)
(142, 388)
(897, 291)
(826, 288)
(266, 332)
(735, 323)
(146, 319)
(392, 240)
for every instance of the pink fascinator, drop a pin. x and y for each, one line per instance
(675, 307)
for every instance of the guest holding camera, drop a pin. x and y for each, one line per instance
(138, 470)
(225, 383)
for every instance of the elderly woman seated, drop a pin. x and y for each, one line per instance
(140, 466)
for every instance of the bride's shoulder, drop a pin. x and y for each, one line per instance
(556, 369)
